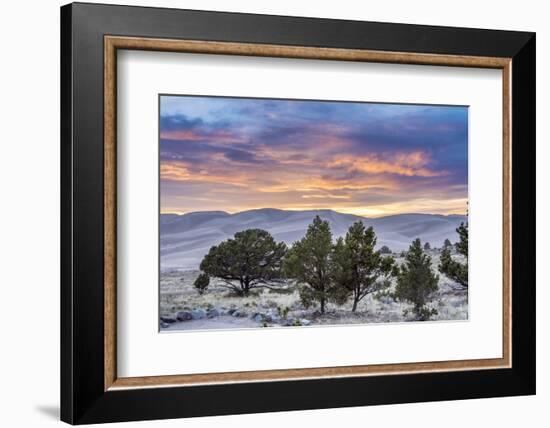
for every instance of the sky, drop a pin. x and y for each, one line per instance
(369, 159)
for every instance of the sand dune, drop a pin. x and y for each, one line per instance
(185, 239)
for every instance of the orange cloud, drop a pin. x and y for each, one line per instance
(174, 171)
(181, 135)
(407, 164)
(179, 171)
(220, 136)
(311, 186)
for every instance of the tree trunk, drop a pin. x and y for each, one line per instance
(322, 305)
(244, 287)
(355, 301)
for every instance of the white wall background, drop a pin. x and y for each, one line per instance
(29, 215)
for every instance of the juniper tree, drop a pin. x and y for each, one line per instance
(308, 262)
(252, 259)
(453, 269)
(416, 283)
(358, 269)
(201, 282)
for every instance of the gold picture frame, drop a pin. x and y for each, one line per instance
(114, 43)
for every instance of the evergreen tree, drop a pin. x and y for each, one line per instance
(340, 270)
(447, 243)
(427, 246)
(358, 269)
(202, 282)
(416, 283)
(252, 259)
(453, 269)
(385, 250)
(462, 244)
(309, 263)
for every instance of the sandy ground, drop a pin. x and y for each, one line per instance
(178, 294)
(218, 323)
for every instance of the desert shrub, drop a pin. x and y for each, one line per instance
(283, 311)
(359, 270)
(385, 250)
(201, 283)
(416, 283)
(281, 290)
(422, 314)
(252, 259)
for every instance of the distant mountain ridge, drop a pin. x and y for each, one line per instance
(186, 238)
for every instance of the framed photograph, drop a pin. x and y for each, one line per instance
(266, 213)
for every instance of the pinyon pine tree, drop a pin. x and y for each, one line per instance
(454, 270)
(416, 283)
(357, 268)
(309, 263)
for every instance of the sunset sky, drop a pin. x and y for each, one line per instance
(235, 154)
